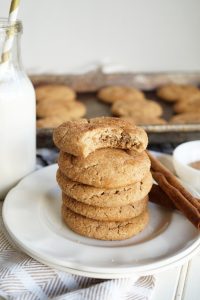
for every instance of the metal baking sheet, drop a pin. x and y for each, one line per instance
(87, 85)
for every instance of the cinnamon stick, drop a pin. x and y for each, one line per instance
(158, 196)
(179, 200)
(158, 167)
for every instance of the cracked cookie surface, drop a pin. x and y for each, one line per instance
(105, 197)
(81, 137)
(120, 213)
(104, 230)
(106, 168)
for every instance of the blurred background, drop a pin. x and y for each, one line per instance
(65, 35)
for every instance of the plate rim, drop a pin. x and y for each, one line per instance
(137, 269)
(100, 275)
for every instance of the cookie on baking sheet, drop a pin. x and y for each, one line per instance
(192, 97)
(104, 230)
(186, 118)
(54, 92)
(68, 111)
(111, 94)
(55, 101)
(119, 213)
(106, 168)
(50, 122)
(81, 137)
(105, 197)
(137, 108)
(174, 92)
(190, 104)
(147, 120)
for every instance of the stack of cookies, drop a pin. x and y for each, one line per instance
(104, 175)
(56, 104)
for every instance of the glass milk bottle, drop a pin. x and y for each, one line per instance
(17, 114)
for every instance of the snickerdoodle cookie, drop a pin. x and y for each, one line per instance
(70, 110)
(105, 197)
(189, 104)
(147, 120)
(55, 92)
(186, 118)
(106, 168)
(82, 137)
(174, 92)
(119, 213)
(144, 108)
(104, 230)
(114, 93)
(50, 122)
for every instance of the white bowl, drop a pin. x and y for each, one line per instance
(183, 155)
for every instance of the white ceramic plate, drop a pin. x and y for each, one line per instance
(31, 214)
(116, 275)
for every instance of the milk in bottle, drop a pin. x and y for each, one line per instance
(17, 116)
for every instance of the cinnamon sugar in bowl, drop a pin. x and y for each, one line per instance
(186, 160)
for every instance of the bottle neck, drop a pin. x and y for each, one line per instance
(15, 53)
(10, 42)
